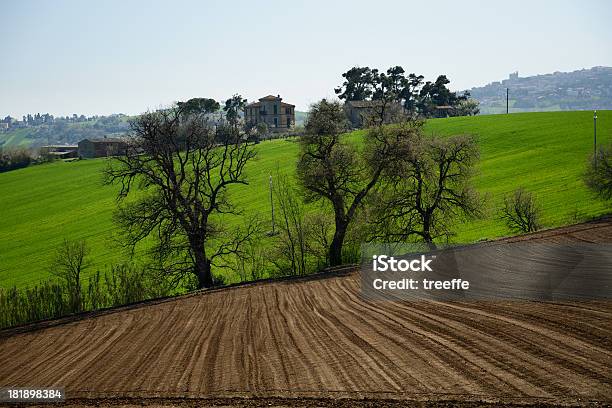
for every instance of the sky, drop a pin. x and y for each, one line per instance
(128, 56)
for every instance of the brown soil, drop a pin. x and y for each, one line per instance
(316, 342)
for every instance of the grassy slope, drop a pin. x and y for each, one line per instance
(543, 152)
(16, 138)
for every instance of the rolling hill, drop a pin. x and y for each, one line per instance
(542, 152)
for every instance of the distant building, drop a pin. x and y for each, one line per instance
(357, 112)
(444, 111)
(271, 110)
(60, 151)
(89, 148)
(4, 126)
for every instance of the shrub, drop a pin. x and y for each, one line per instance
(521, 212)
(598, 176)
(15, 158)
(44, 301)
(122, 284)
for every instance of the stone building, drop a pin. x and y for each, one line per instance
(89, 148)
(359, 113)
(271, 110)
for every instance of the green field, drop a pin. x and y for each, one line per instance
(16, 138)
(542, 152)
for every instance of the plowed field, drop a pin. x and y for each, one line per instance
(315, 341)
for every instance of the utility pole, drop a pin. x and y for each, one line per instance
(507, 101)
(272, 204)
(595, 137)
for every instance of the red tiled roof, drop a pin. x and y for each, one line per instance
(270, 98)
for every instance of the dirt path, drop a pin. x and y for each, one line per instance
(317, 342)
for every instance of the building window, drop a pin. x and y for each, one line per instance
(275, 109)
(288, 122)
(275, 119)
(288, 111)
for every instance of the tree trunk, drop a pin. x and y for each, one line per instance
(335, 248)
(201, 263)
(202, 268)
(427, 233)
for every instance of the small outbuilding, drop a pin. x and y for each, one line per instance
(444, 111)
(60, 151)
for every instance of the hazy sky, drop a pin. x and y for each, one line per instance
(102, 57)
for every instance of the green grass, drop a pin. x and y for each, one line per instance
(542, 152)
(16, 138)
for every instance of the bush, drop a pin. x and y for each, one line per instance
(127, 283)
(43, 301)
(468, 107)
(521, 212)
(122, 284)
(16, 158)
(598, 176)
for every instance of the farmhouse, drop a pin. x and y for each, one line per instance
(271, 110)
(357, 112)
(89, 148)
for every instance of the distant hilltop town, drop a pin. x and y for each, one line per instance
(37, 119)
(578, 90)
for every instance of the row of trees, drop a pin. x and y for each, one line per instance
(397, 184)
(411, 91)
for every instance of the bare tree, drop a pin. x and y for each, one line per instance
(70, 262)
(254, 261)
(292, 241)
(319, 230)
(598, 177)
(332, 169)
(183, 168)
(520, 212)
(427, 189)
